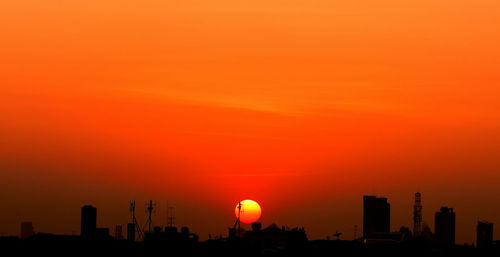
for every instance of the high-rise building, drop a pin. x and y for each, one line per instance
(89, 221)
(417, 215)
(118, 232)
(27, 230)
(445, 226)
(376, 215)
(484, 234)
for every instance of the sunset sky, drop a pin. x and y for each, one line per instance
(302, 105)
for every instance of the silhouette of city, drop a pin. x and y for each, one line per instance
(269, 240)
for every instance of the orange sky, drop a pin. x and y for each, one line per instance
(303, 106)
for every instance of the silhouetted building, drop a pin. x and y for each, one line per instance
(274, 237)
(484, 234)
(385, 238)
(232, 232)
(89, 221)
(417, 215)
(445, 226)
(27, 230)
(172, 236)
(405, 232)
(102, 233)
(171, 230)
(427, 233)
(376, 215)
(236, 232)
(118, 232)
(256, 226)
(184, 230)
(131, 232)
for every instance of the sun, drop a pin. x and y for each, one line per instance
(250, 211)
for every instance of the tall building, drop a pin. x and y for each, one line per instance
(118, 232)
(89, 221)
(376, 215)
(417, 215)
(27, 230)
(484, 234)
(445, 226)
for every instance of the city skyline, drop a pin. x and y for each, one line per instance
(302, 106)
(376, 223)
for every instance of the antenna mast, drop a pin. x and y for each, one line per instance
(238, 222)
(239, 218)
(149, 209)
(170, 216)
(134, 220)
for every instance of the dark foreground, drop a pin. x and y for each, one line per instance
(69, 245)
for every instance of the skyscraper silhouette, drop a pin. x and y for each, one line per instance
(445, 226)
(27, 230)
(417, 215)
(89, 221)
(376, 215)
(484, 234)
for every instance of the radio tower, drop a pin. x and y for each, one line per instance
(149, 209)
(134, 220)
(170, 216)
(417, 216)
(238, 222)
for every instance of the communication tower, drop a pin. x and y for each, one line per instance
(150, 208)
(134, 220)
(417, 215)
(170, 216)
(238, 221)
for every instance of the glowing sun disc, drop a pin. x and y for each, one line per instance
(250, 211)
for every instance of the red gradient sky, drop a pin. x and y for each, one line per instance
(303, 106)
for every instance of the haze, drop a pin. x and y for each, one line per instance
(303, 106)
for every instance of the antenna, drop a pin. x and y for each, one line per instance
(170, 216)
(149, 209)
(239, 218)
(355, 231)
(134, 220)
(238, 222)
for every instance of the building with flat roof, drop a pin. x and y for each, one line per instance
(27, 230)
(445, 226)
(88, 221)
(376, 215)
(484, 236)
